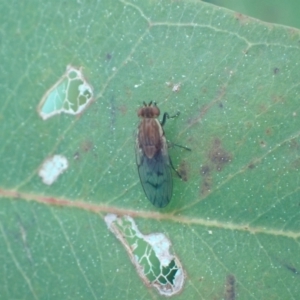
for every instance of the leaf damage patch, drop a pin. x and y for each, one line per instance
(184, 170)
(175, 87)
(52, 167)
(70, 94)
(230, 288)
(149, 254)
(218, 156)
(207, 180)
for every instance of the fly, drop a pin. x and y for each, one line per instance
(152, 158)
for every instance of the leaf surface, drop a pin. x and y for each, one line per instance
(233, 221)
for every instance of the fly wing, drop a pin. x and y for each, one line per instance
(156, 176)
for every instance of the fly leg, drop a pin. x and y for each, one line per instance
(171, 164)
(174, 168)
(167, 116)
(183, 147)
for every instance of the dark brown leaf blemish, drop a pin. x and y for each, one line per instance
(218, 156)
(288, 266)
(296, 164)
(291, 269)
(183, 170)
(204, 170)
(269, 131)
(86, 146)
(123, 109)
(276, 71)
(76, 155)
(206, 185)
(207, 180)
(262, 144)
(243, 19)
(251, 166)
(230, 288)
(108, 56)
(263, 108)
(278, 99)
(294, 145)
(248, 125)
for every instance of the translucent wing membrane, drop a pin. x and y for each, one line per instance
(156, 177)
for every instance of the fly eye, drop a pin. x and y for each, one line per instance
(140, 112)
(155, 111)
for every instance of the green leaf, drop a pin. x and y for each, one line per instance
(233, 221)
(275, 11)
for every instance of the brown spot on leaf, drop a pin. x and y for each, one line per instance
(269, 131)
(108, 56)
(76, 155)
(230, 288)
(296, 164)
(86, 146)
(263, 108)
(262, 144)
(218, 156)
(294, 145)
(203, 90)
(251, 166)
(183, 170)
(288, 266)
(207, 180)
(204, 170)
(249, 124)
(276, 71)
(278, 99)
(291, 268)
(123, 109)
(206, 185)
(241, 18)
